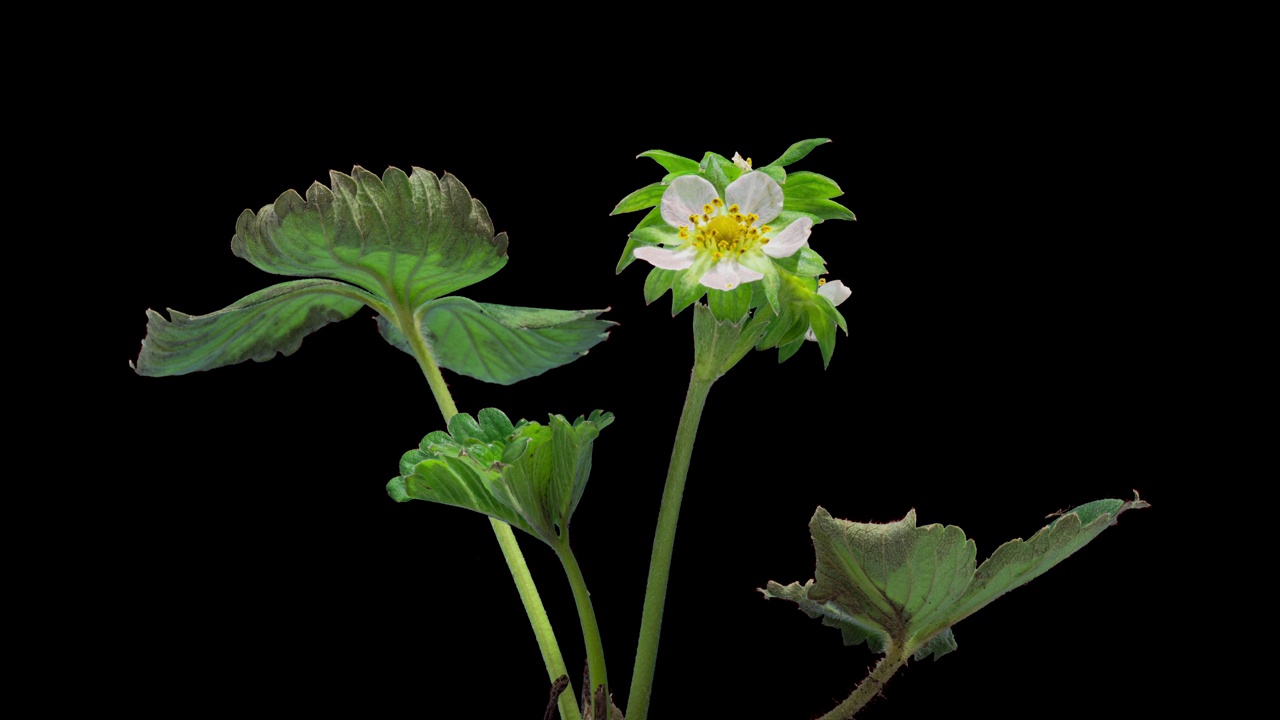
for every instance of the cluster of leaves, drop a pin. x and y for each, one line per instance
(398, 244)
(790, 291)
(907, 585)
(526, 474)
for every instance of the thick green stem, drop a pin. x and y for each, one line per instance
(655, 594)
(529, 596)
(893, 659)
(587, 616)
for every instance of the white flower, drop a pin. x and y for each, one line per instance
(837, 293)
(726, 241)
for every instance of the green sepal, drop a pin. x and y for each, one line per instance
(256, 327)
(910, 584)
(824, 330)
(797, 152)
(413, 237)
(652, 219)
(658, 282)
(786, 351)
(500, 343)
(730, 304)
(645, 197)
(719, 171)
(818, 208)
(671, 162)
(778, 174)
(804, 261)
(805, 184)
(718, 345)
(686, 288)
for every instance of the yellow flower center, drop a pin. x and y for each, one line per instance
(724, 231)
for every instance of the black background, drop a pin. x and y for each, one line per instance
(1007, 357)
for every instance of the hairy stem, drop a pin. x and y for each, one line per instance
(655, 594)
(893, 659)
(529, 596)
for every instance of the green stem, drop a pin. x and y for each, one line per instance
(655, 594)
(587, 616)
(893, 659)
(529, 596)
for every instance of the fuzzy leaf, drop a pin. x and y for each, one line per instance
(256, 327)
(499, 343)
(407, 238)
(910, 584)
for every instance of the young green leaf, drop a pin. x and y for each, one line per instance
(272, 320)
(499, 343)
(406, 238)
(797, 152)
(671, 162)
(907, 585)
(645, 197)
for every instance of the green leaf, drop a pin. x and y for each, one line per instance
(406, 238)
(671, 162)
(797, 152)
(818, 208)
(653, 219)
(909, 584)
(851, 631)
(804, 262)
(806, 184)
(718, 170)
(256, 327)
(645, 197)
(824, 330)
(535, 485)
(499, 343)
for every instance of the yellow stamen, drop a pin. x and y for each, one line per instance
(718, 202)
(822, 281)
(733, 209)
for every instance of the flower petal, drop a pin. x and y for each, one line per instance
(835, 291)
(685, 196)
(667, 259)
(727, 275)
(755, 192)
(792, 238)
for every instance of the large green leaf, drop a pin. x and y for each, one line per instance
(499, 343)
(528, 475)
(256, 327)
(407, 238)
(896, 582)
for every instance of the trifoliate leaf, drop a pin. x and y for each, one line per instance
(272, 320)
(499, 343)
(406, 238)
(909, 584)
(532, 477)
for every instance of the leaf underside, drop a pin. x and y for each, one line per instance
(499, 343)
(407, 238)
(272, 320)
(909, 585)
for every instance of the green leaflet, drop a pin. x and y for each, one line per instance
(406, 238)
(499, 343)
(535, 487)
(896, 581)
(272, 320)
